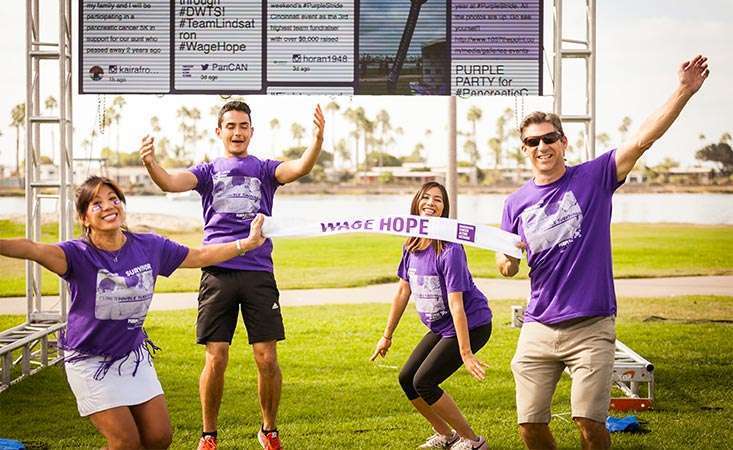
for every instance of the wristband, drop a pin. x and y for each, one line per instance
(240, 249)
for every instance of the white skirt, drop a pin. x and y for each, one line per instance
(117, 388)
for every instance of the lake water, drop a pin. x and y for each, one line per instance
(480, 208)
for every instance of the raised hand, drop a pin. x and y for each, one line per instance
(147, 150)
(319, 123)
(382, 348)
(692, 74)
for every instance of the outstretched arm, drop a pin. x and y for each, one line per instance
(292, 170)
(177, 182)
(209, 255)
(49, 256)
(474, 366)
(692, 75)
(399, 303)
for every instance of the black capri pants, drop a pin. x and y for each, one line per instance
(434, 360)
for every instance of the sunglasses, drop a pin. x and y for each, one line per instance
(549, 138)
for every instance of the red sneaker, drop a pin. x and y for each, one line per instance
(207, 443)
(269, 440)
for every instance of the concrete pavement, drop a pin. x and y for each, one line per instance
(383, 293)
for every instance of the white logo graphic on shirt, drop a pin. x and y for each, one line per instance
(236, 194)
(553, 225)
(428, 295)
(121, 297)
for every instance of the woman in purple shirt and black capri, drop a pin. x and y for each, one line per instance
(111, 274)
(457, 314)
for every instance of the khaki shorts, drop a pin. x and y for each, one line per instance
(586, 347)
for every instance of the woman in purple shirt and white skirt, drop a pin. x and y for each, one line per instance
(457, 315)
(111, 274)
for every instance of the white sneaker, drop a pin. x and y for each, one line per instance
(440, 441)
(468, 444)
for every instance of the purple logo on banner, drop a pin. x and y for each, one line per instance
(466, 232)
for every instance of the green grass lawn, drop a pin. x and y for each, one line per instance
(640, 250)
(334, 398)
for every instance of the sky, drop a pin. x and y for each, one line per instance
(639, 49)
(378, 38)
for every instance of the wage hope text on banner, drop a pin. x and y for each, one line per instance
(451, 230)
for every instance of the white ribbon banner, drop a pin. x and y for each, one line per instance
(450, 230)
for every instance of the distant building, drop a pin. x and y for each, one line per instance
(412, 173)
(636, 177)
(134, 176)
(86, 167)
(692, 175)
(515, 175)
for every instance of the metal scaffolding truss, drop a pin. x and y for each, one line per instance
(27, 348)
(585, 49)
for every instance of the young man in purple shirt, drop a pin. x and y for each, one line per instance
(234, 189)
(564, 218)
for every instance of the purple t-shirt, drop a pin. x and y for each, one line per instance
(111, 291)
(432, 278)
(567, 228)
(233, 190)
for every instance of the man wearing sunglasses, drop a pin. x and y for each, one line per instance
(564, 218)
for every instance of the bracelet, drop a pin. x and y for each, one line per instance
(388, 338)
(240, 249)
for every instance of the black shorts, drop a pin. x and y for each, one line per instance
(221, 295)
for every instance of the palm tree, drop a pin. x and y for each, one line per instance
(497, 149)
(342, 150)
(519, 159)
(298, 132)
(368, 126)
(416, 155)
(274, 126)
(580, 146)
(163, 146)
(624, 127)
(17, 121)
(502, 136)
(355, 116)
(118, 103)
(190, 133)
(603, 139)
(385, 127)
(474, 116)
(112, 115)
(471, 151)
(331, 109)
(214, 112)
(155, 124)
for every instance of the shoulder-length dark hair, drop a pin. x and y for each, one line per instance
(86, 192)
(415, 244)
